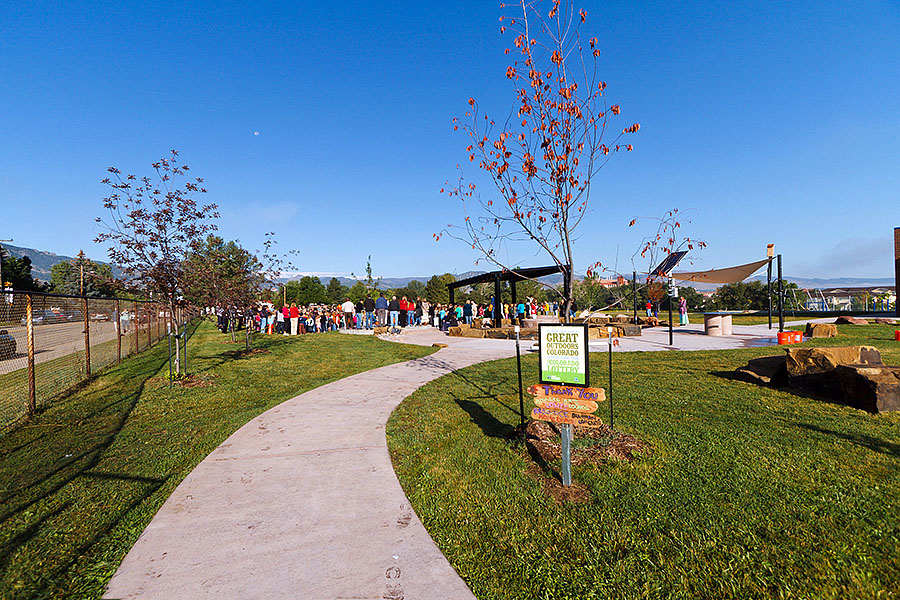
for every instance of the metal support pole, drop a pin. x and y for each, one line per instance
(169, 337)
(780, 298)
(118, 334)
(671, 330)
(31, 403)
(519, 370)
(769, 277)
(634, 295)
(134, 318)
(609, 393)
(87, 337)
(565, 434)
(149, 316)
(497, 317)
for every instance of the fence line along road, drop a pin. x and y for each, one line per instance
(50, 343)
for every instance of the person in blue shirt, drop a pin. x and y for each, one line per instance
(381, 309)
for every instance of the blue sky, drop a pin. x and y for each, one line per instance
(774, 122)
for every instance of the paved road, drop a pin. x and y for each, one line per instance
(58, 339)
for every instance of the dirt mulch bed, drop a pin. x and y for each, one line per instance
(606, 444)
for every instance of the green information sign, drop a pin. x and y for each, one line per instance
(564, 353)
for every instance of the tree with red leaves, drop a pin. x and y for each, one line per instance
(543, 157)
(153, 224)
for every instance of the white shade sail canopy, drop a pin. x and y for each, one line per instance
(729, 275)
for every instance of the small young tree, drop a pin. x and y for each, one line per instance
(545, 155)
(151, 225)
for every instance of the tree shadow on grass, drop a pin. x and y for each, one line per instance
(490, 425)
(31, 499)
(865, 441)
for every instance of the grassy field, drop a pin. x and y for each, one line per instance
(748, 492)
(80, 481)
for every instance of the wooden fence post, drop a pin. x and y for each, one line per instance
(31, 403)
(136, 328)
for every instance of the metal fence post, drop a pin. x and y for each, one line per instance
(31, 403)
(87, 336)
(118, 334)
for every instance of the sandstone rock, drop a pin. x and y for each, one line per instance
(768, 370)
(820, 330)
(436, 345)
(629, 330)
(498, 334)
(883, 321)
(649, 321)
(454, 332)
(813, 369)
(379, 331)
(598, 321)
(528, 334)
(624, 319)
(473, 333)
(811, 361)
(872, 388)
(850, 321)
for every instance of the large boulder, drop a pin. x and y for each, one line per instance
(872, 388)
(649, 321)
(454, 332)
(499, 334)
(812, 361)
(599, 321)
(629, 330)
(624, 319)
(821, 330)
(883, 321)
(768, 370)
(813, 369)
(472, 333)
(844, 320)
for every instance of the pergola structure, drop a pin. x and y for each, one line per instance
(510, 275)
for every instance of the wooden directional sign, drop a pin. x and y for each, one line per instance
(569, 392)
(583, 406)
(566, 417)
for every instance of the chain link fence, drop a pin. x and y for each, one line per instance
(50, 343)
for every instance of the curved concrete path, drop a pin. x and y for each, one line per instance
(303, 502)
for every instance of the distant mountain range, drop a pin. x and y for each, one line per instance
(42, 261)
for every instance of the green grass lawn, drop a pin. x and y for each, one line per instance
(81, 480)
(749, 492)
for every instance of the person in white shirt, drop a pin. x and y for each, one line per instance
(348, 308)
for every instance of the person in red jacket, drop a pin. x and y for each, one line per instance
(295, 318)
(404, 307)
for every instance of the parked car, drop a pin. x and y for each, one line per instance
(7, 345)
(42, 317)
(99, 317)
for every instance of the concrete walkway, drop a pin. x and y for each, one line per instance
(302, 502)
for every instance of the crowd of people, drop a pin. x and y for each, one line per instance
(369, 313)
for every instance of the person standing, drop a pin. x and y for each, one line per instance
(394, 311)
(682, 312)
(348, 307)
(360, 308)
(369, 306)
(649, 309)
(295, 317)
(381, 309)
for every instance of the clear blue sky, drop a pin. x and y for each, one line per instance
(777, 121)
